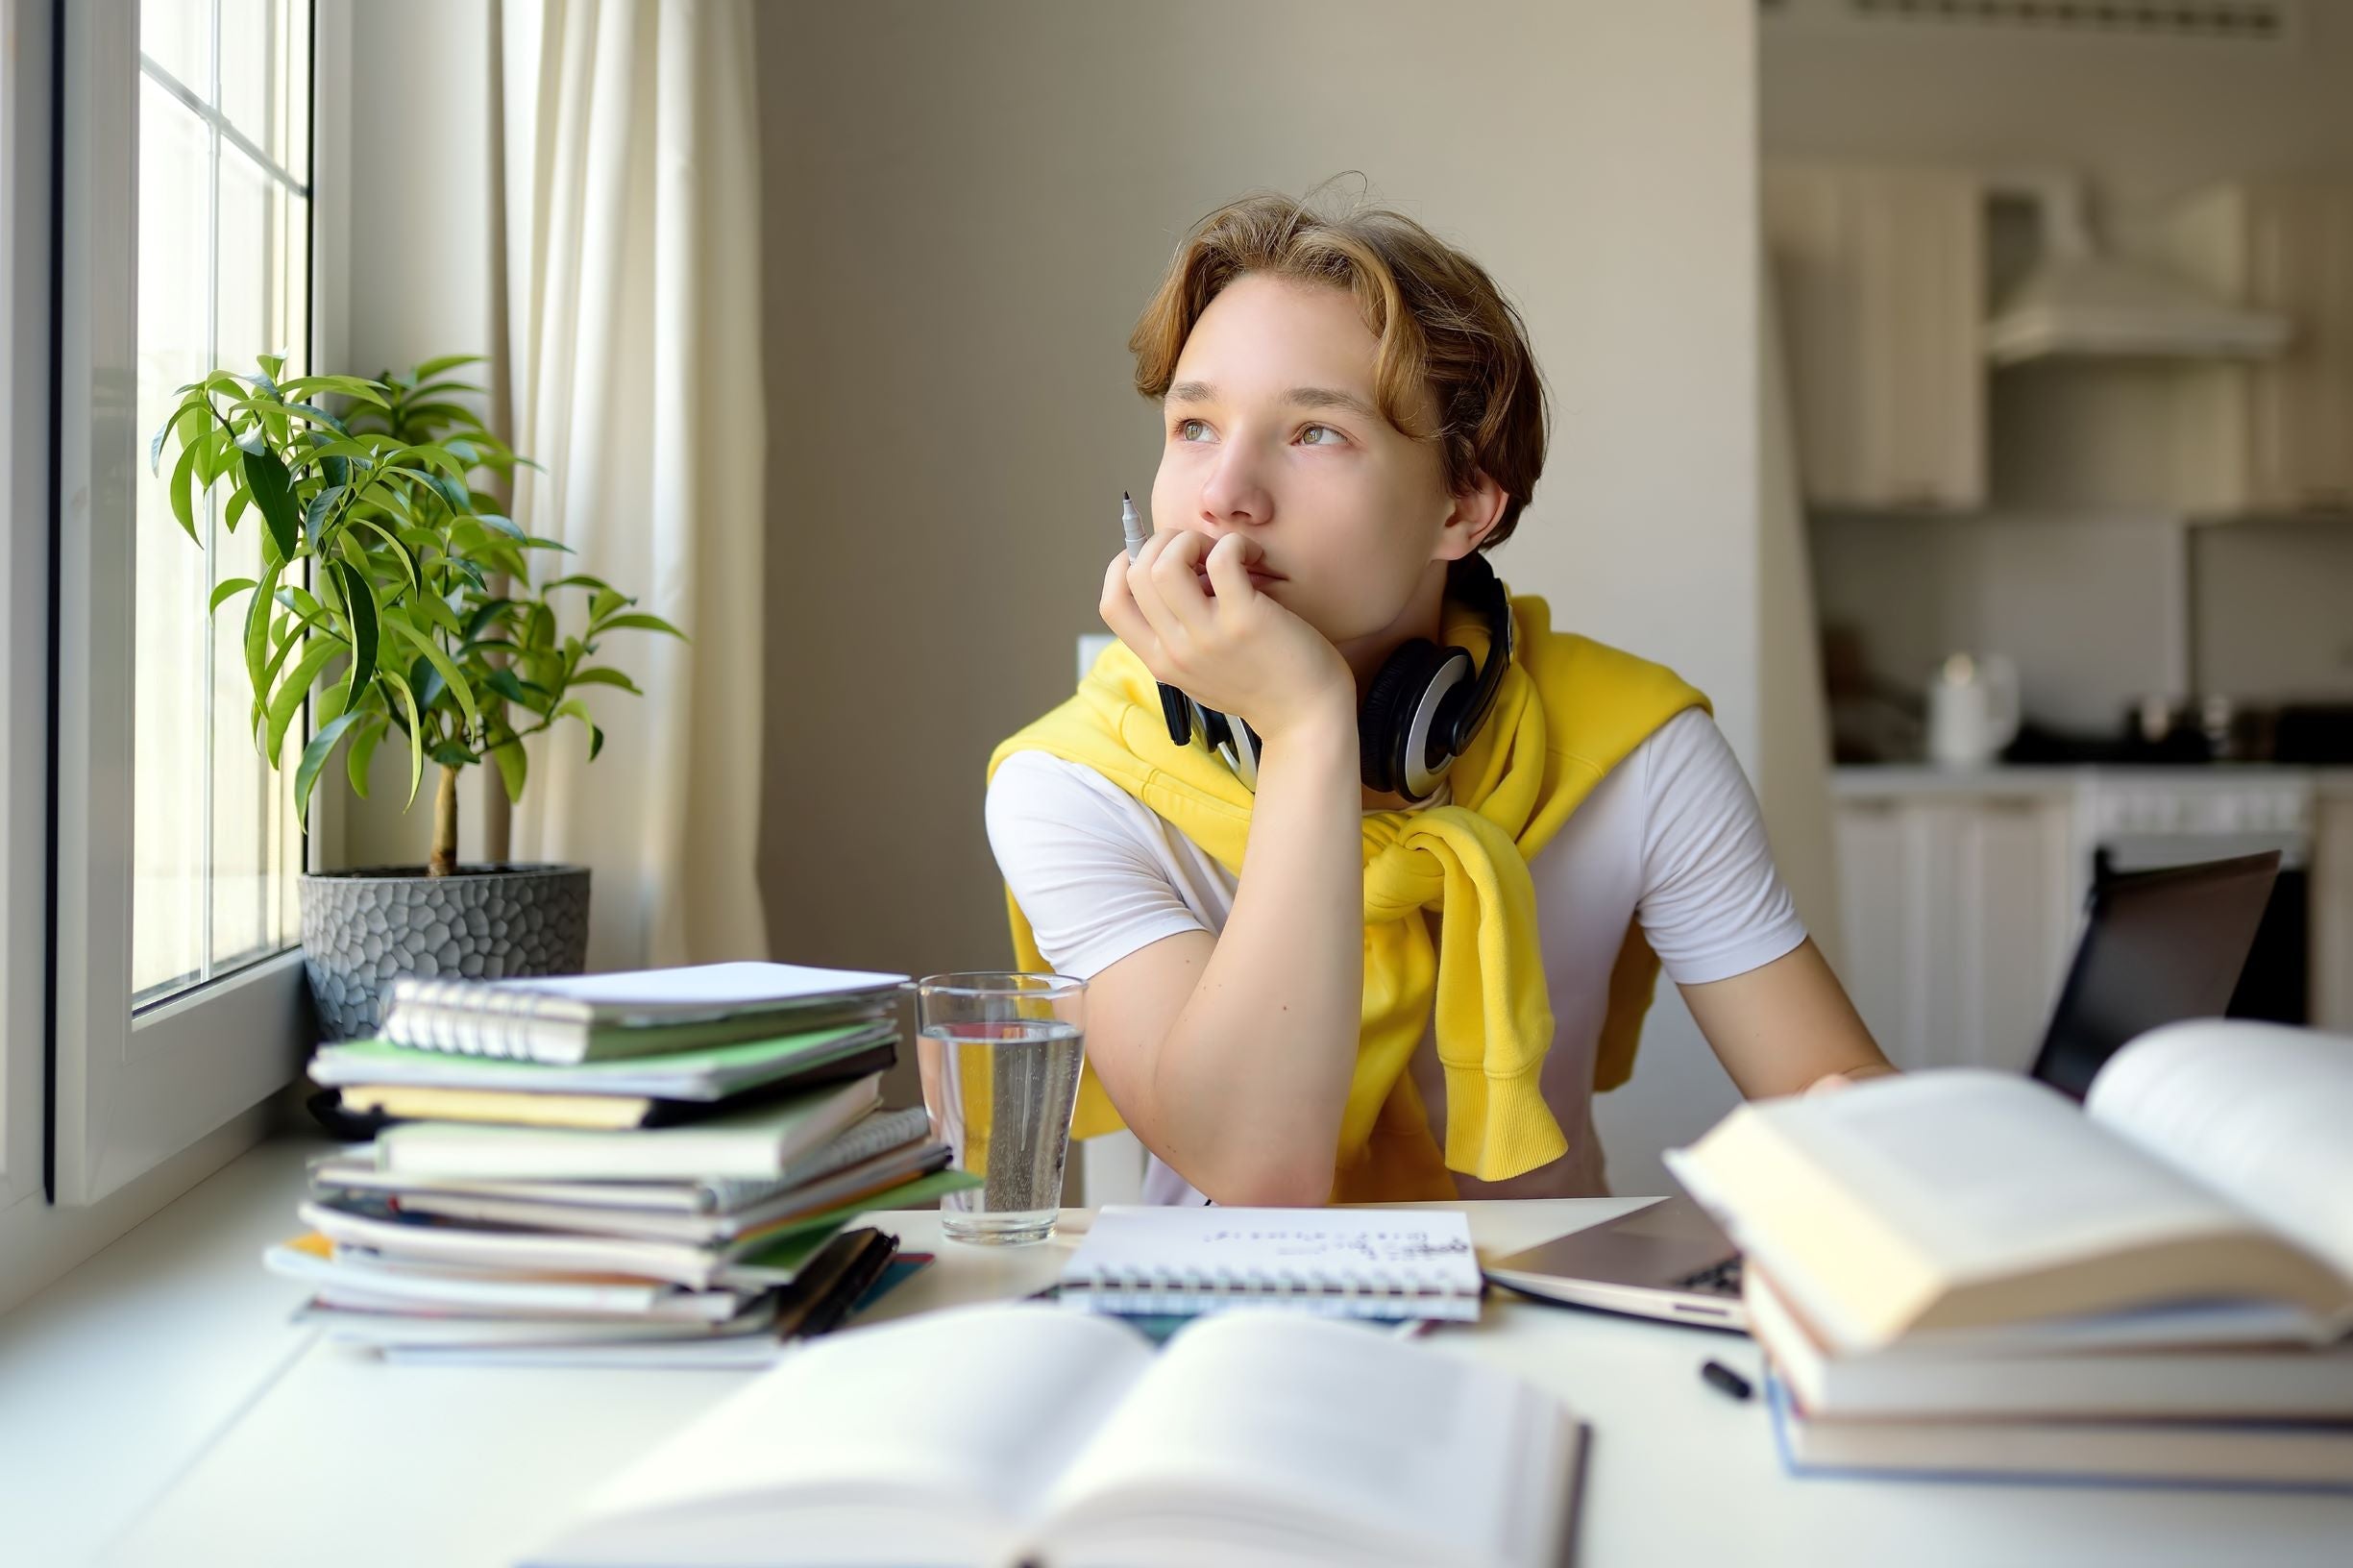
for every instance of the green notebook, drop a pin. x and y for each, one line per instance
(711, 1072)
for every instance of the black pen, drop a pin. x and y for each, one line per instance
(1725, 1377)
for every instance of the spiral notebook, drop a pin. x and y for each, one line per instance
(570, 1020)
(1143, 1260)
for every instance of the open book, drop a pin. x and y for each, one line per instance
(993, 1435)
(2212, 1163)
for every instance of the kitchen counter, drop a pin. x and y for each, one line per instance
(1893, 781)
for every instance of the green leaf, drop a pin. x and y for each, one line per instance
(641, 623)
(514, 767)
(314, 515)
(416, 733)
(504, 683)
(444, 664)
(602, 676)
(183, 505)
(314, 758)
(273, 365)
(482, 616)
(574, 708)
(287, 701)
(226, 591)
(431, 368)
(273, 492)
(579, 579)
(608, 601)
(300, 601)
(371, 731)
(258, 623)
(238, 500)
(359, 609)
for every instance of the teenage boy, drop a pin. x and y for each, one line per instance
(1316, 991)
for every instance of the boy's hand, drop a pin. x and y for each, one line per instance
(1219, 639)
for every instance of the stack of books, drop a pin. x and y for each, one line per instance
(1965, 1274)
(651, 1168)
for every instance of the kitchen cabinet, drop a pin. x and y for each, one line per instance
(1881, 276)
(2273, 435)
(1960, 913)
(2332, 908)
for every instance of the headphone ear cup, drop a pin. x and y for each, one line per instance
(1384, 723)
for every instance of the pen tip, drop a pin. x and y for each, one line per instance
(1124, 496)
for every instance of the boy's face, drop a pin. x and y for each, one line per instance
(1349, 510)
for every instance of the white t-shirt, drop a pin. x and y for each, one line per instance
(1670, 837)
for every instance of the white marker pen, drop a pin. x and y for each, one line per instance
(1175, 707)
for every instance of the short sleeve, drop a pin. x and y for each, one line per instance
(1080, 858)
(1712, 905)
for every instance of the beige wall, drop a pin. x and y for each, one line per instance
(967, 207)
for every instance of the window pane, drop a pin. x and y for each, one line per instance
(260, 303)
(168, 921)
(265, 57)
(223, 278)
(177, 34)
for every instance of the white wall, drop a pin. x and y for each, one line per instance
(418, 284)
(967, 207)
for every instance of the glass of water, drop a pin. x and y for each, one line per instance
(1000, 1056)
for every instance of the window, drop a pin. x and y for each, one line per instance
(224, 275)
(185, 246)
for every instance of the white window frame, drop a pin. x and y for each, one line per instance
(25, 70)
(133, 1089)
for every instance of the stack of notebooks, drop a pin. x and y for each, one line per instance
(649, 1168)
(1964, 1274)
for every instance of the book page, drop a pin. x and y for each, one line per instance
(2261, 1113)
(1871, 1206)
(1391, 1451)
(966, 1414)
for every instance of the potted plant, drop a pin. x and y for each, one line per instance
(397, 599)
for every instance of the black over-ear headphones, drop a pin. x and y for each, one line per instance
(1418, 715)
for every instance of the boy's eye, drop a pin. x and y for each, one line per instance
(1327, 430)
(1184, 427)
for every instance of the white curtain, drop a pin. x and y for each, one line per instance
(631, 231)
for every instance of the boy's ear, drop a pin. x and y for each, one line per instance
(1477, 510)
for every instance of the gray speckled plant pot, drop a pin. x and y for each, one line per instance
(363, 929)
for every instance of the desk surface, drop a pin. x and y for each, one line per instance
(335, 1457)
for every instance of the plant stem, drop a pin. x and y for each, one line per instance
(445, 826)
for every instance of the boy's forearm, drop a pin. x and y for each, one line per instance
(1252, 1077)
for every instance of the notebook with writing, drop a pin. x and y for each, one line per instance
(1143, 1260)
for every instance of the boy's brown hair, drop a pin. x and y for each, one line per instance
(1445, 329)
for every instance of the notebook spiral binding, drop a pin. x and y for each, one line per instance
(468, 1017)
(1365, 1293)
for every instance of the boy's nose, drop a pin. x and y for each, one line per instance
(1233, 496)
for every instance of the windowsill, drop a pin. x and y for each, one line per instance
(123, 1370)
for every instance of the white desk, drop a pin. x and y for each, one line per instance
(335, 1459)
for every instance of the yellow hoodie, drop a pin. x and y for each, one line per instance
(1569, 710)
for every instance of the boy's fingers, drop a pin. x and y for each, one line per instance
(1176, 571)
(1229, 569)
(1117, 608)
